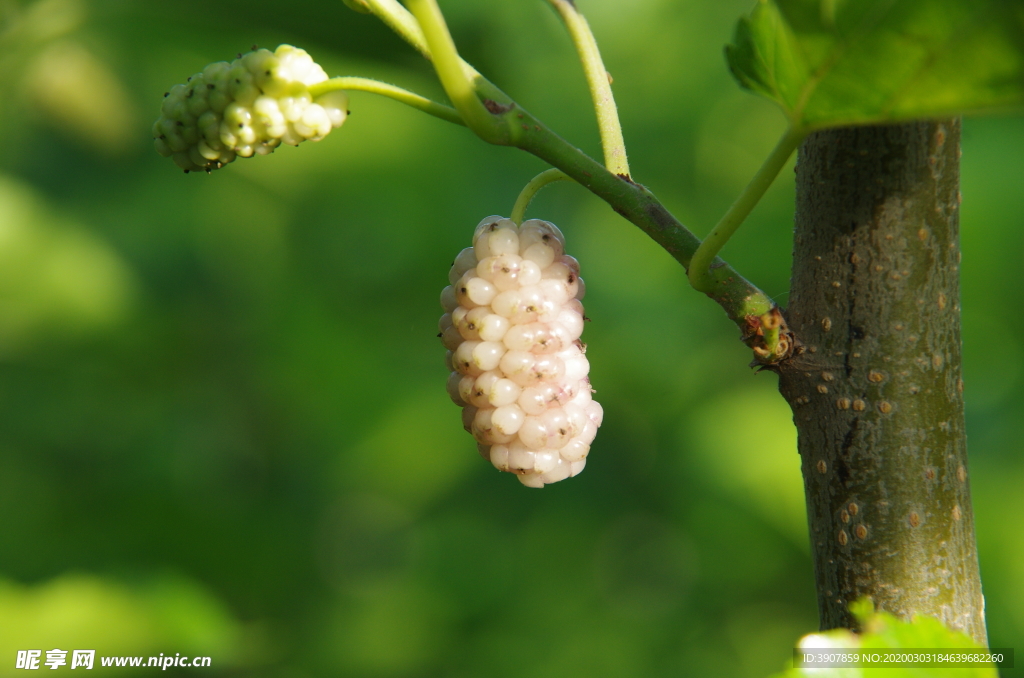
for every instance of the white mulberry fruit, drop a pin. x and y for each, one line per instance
(246, 107)
(512, 327)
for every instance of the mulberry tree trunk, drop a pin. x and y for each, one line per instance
(876, 392)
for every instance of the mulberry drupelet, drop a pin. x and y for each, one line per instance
(512, 327)
(246, 107)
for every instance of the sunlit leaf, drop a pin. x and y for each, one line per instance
(840, 62)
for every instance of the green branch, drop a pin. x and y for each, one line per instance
(538, 182)
(392, 92)
(598, 81)
(405, 25)
(459, 84)
(699, 270)
(638, 205)
(496, 118)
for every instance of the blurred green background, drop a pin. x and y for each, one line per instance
(223, 423)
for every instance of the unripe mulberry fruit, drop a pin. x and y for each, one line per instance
(246, 107)
(512, 327)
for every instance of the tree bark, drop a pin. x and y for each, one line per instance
(876, 387)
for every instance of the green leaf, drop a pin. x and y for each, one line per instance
(829, 63)
(882, 632)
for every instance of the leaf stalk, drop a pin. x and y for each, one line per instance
(699, 270)
(599, 82)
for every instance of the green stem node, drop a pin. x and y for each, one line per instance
(531, 189)
(699, 270)
(770, 325)
(459, 83)
(404, 24)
